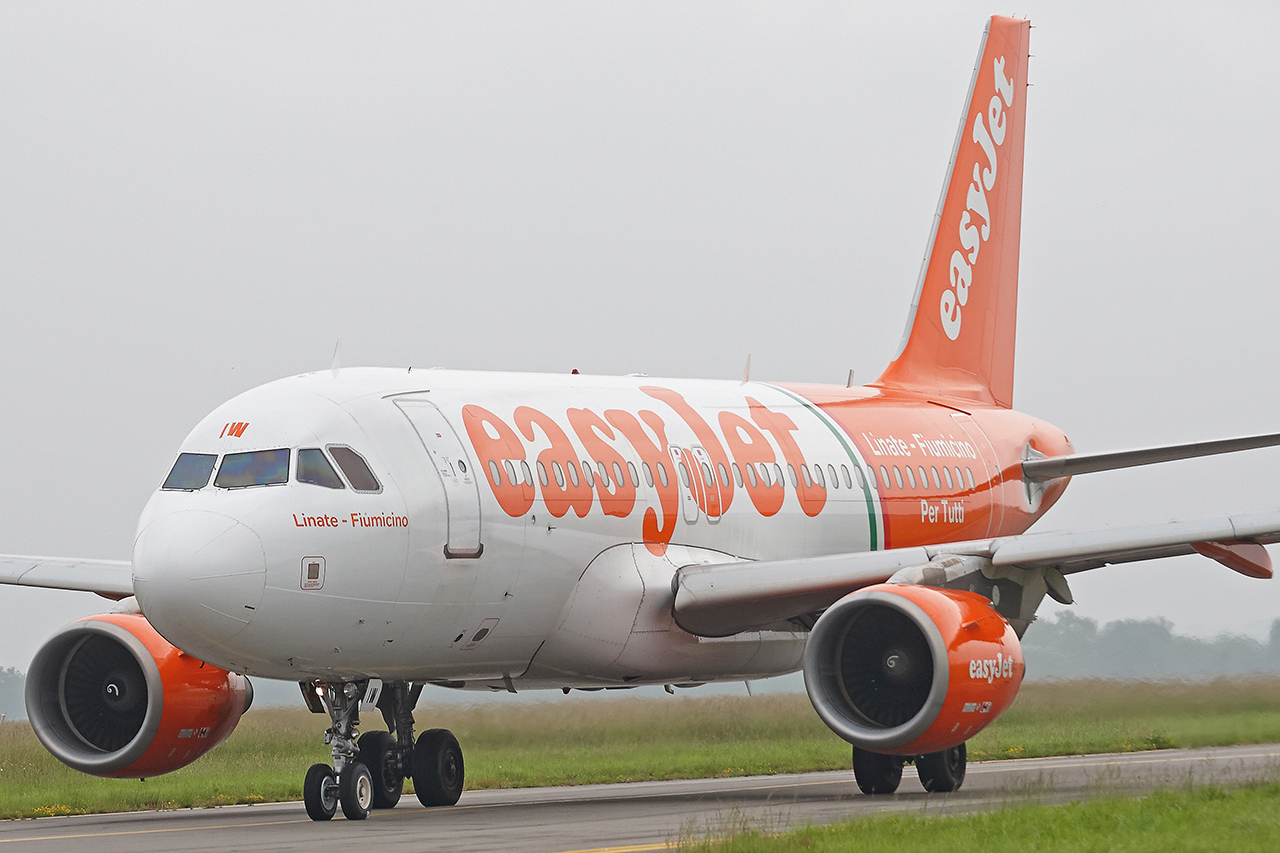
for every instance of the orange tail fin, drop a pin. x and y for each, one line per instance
(960, 334)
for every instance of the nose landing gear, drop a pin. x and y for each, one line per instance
(369, 773)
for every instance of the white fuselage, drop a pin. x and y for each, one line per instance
(555, 588)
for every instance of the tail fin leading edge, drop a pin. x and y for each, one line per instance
(960, 334)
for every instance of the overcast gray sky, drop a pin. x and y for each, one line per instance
(198, 198)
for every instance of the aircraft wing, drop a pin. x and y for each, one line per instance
(109, 578)
(721, 599)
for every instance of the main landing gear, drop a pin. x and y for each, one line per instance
(940, 772)
(368, 772)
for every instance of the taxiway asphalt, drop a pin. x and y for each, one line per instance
(635, 817)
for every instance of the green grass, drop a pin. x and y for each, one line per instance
(1200, 819)
(586, 739)
(1107, 716)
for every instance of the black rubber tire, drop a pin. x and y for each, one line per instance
(943, 772)
(438, 772)
(876, 773)
(355, 791)
(320, 792)
(376, 750)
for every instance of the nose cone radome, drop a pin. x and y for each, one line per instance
(198, 576)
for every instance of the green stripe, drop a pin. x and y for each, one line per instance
(853, 457)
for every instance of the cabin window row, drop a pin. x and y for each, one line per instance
(518, 473)
(920, 478)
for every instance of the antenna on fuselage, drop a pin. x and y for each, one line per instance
(850, 383)
(746, 371)
(337, 365)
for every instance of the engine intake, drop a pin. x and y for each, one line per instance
(910, 670)
(109, 696)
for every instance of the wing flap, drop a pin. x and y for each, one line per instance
(109, 578)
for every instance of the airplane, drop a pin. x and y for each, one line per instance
(367, 532)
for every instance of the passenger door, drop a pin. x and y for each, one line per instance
(451, 463)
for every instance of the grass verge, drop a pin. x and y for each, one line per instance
(593, 738)
(1200, 819)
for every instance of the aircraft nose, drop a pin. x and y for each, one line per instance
(199, 576)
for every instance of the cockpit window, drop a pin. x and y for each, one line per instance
(256, 468)
(190, 472)
(314, 468)
(356, 469)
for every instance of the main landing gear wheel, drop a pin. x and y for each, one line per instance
(876, 773)
(437, 768)
(320, 792)
(943, 772)
(355, 791)
(377, 751)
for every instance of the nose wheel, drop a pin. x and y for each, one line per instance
(369, 772)
(320, 792)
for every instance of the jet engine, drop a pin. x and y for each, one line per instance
(109, 696)
(909, 670)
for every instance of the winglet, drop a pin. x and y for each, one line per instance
(960, 333)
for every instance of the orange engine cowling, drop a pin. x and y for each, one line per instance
(909, 670)
(109, 696)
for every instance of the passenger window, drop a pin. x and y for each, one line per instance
(946, 472)
(911, 477)
(764, 475)
(314, 468)
(817, 476)
(662, 475)
(684, 474)
(588, 474)
(528, 475)
(834, 478)
(631, 469)
(604, 472)
(959, 478)
(648, 473)
(857, 475)
(255, 468)
(617, 474)
(777, 475)
(804, 471)
(884, 478)
(559, 472)
(572, 468)
(924, 478)
(495, 473)
(356, 469)
(511, 472)
(968, 472)
(897, 475)
(795, 481)
(737, 473)
(190, 472)
(707, 476)
(542, 474)
(724, 474)
(751, 475)
(933, 472)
